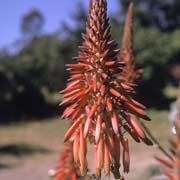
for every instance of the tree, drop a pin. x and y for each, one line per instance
(162, 14)
(32, 23)
(73, 33)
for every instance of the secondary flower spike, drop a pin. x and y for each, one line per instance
(98, 105)
(130, 72)
(66, 167)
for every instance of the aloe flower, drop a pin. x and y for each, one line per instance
(98, 104)
(172, 168)
(66, 167)
(131, 72)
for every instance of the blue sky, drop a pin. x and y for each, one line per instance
(54, 11)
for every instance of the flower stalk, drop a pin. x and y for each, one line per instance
(131, 73)
(66, 168)
(99, 105)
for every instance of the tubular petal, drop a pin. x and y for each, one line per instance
(76, 148)
(115, 123)
(100, 155)
(109, 104)
(98, 129)
(137, 128)
(106, 160)
(72, 129)
(86, 126)
(126, 158)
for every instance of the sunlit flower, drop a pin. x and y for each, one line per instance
(98, 104)
(66, 167)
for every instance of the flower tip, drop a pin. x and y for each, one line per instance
(84, 171)
(146, 118)
(65, 140)
(147, 141)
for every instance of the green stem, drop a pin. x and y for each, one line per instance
(160, 147)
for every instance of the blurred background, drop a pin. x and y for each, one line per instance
(38, 38)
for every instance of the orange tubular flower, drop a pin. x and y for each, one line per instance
(100, 106)
(67, 168)
(172, 169)
(130, 72)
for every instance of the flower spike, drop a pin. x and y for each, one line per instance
(98, 105)
(66, 167)
(130, 71)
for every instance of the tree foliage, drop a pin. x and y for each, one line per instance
(162, 14)
(40, 63)
(32, 23)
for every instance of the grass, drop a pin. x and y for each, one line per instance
(46, 133)
(42, 136)
(170, 91)
(159, 125)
